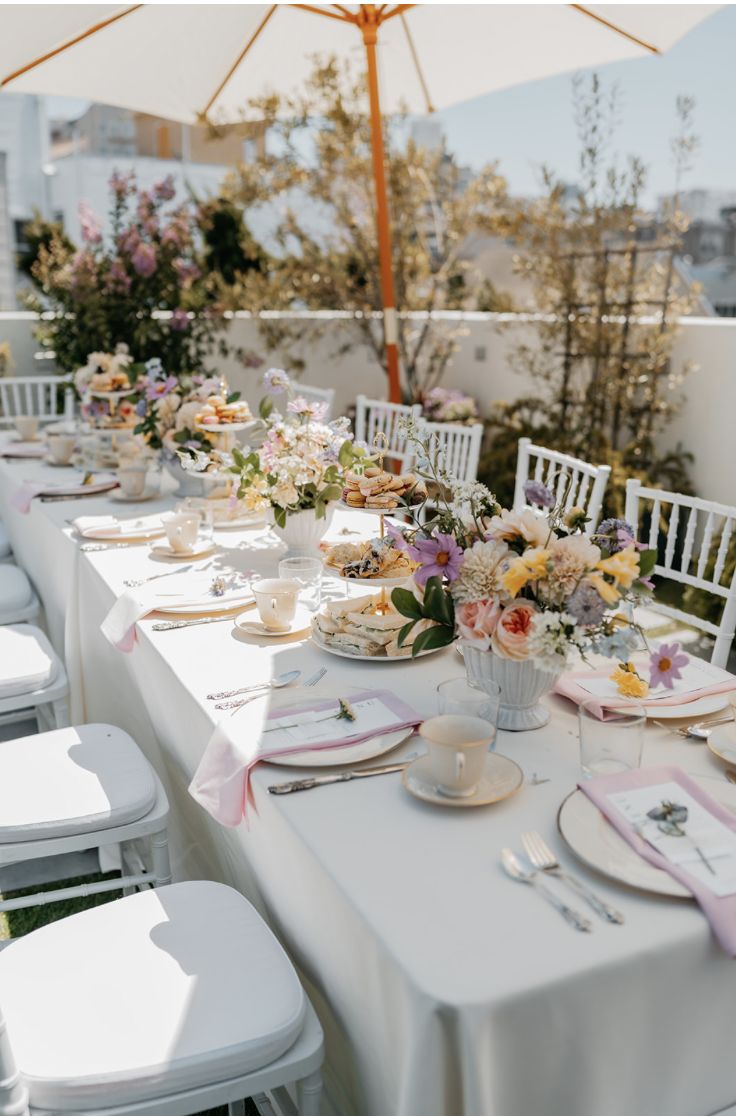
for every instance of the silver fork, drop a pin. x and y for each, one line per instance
(542, 857)
(512, 867)
(316, 677)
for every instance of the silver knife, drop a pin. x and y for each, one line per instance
(341, 777)
(169, 625)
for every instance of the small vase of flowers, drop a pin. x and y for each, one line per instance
(520, 590)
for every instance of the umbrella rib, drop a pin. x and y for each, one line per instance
(348, 18)
(417, 65)
(69, 43)
(236, 63)
(397, 11)
(614, 27)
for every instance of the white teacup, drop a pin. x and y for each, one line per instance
(27, 426)
(182, 530)
(61, 447)
(276, 599)
(132, 480)
(458, 748)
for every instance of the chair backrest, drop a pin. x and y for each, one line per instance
(374, 416)
(459, 445)
(698, 533)
(317, 395)
(35, 395)
(587, 483)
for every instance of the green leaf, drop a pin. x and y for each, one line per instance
(182, 436)
(647, 562)
(437, 602)
(404, 632)
(407, 604)
(265, 407)
(238, 458)
(346, 454)
(439, 636)
(233, 397)
(279, 515)
(332, 492)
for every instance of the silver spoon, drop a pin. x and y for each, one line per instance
(276, 683)
(514, 869)
(702, 729)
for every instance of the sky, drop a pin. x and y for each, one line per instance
(530, 125)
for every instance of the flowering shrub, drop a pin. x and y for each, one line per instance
(525, 585)
(147, 285)
(449, 405)
(301, 461)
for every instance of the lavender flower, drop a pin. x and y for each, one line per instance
(537, 493)
(144, 260)
(586, 606)
(615, 535)
(179, 320)
(161, 388)
(276, 381)
(165, 190)
(91, 232)
(439, 556)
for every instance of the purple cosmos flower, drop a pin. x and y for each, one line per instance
(161, 388)
(397, 536)
(179, 321)
(665, 664)
(144, 260)
(616, 535)
(537, 493)
(439, 556)
(586, 606)
(276, 381)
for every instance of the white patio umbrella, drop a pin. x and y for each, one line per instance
(198, 61)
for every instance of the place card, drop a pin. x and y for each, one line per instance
(697, 675)
(311, 726)
(706, 840)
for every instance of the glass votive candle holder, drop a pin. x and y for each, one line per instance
(611, 738)
(308, 572)
(457, 695)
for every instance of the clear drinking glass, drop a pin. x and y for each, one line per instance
(612, 739)
(308, 572)
(456, 695)
(203, 508)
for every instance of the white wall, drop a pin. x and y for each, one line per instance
(706, 425)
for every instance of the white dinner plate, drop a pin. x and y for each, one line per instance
(722, 743)
(146, 527)
(368, 583)
(252, 519)
(351, 753)
(701, 707)
(600, 846)
(147, 494)
(372, 658)
(199, 600)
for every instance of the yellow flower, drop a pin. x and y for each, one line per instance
(608, 592)
(628, 682)
(622, 567)
(529, 567)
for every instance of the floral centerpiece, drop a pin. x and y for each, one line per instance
(298, 468)
(449, 405)
(521, 590)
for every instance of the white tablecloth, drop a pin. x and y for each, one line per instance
(445, 989)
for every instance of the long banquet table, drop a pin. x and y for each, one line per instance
(445, 989)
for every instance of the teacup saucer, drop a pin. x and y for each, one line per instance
(501, 778)
(59, 464)
(147, 494)
(163, 550)
(302, 622)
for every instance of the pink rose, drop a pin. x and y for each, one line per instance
(511, 636)
(477, 621)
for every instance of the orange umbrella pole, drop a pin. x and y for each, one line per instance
(369, 21)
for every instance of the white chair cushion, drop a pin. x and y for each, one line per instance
(162, 991)
(28, 662)
(15, 590)
(5, 548)
(72, 780)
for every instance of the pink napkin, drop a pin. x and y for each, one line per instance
(119, 626)
(22, 498)
(221, 783)
(719, 910)
(567, 686)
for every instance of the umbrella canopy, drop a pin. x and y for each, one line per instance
(198, 61)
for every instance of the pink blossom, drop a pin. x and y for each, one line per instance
(439, 556)
(118, 280)
(122, 184)
(165, 190)
(477, 621)
(186, 271)
(510, 639)
(144, 260)
(91, 231)
(665, 665)
(129, 240)
(179, 320)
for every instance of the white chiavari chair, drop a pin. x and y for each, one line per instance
(33, 681)
(6, 550)
(171, 1001)
(587, 483)
(458, 446)
(317, 395)
(18, 602)
(375, 416)
(698, 533)
(96, 791)
(47, 398)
